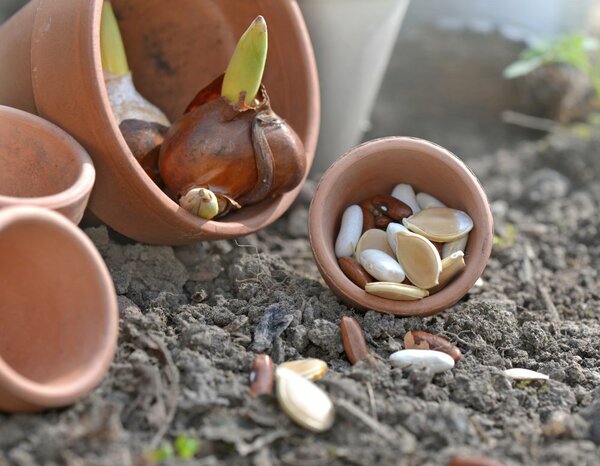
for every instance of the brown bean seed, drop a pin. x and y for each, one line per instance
(354, 271)
(353, 339)
(368, 219)
(262, 376)
(391, 207)
(423, 340)
(382, 222)
(473, 461)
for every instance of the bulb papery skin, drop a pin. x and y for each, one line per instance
(247, 155)
(128, 104)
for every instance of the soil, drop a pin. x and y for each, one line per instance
(193, 318)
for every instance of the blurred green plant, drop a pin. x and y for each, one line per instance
(577, 50)
(183, 447)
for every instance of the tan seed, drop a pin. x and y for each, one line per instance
(305, 403)
(473, 461)
(373, 239)
(451, 267)
(353, 339)
(261, 376)
(417, 339)
(311, 369)
(419, 258)
(450, 248)
(354, 271)
(396, 291)
(440, 224)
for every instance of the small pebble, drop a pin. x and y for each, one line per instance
(311, 369)
(524, 374)
(435, 361)
(353, 339)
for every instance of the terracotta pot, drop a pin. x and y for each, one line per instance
(375, 168)
(58, 312)
(42, 165)
(173, 53)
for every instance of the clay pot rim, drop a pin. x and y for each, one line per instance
(47, 396)
(78, 190)
(327, 262)
(266, 212)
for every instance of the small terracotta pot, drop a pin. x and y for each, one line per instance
(42, 165)
(173, 53)
(375, 168)
(58, 312)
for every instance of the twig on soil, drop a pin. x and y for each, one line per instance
(372, 401)
(528, 121)
(372, 423)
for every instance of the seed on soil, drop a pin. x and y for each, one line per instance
(451, 267)
(381, 266)
(427, 201)
(350, 231)
(391, 231)
(303, 401)
(311, 369)
(450, 248)
(473, 461)
(524, 374)
(419, 259)
(373, 239)
(440, 224)
(354, 271)
(435, 361)
(417, 339)
(261, 376)
(406, 194)
(353, 339)
(396, 291)
(391, 207)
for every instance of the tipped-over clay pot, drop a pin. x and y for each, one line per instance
(42, 165)
(58, 312)
(375, 168)
(174, 51)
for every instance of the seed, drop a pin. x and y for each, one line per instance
(453, 246)
(350, 231)
(396, 291)
(354, 271)
(440, 224)
(380, 220)
(427, 201)
(391, 207)
(311, 369)
(373, 239)
(353, 339)
(305, 403)
(451, 267)
(524, 374)
(368, 218)
(261, 376)
(436, 361)
(419, 259)
(473, 461)
(381, 266)
(391, 231)
(406, 194)
(422, 340)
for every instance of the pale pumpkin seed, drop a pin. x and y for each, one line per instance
(373, 239)
(311, 369)
(419, 258)
(440, 224)
(396, 291)
(524, 374)
(427, 201)
(450, 248)
(451, 267)
(305, 403)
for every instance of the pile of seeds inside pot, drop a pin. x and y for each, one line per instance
(402, 246)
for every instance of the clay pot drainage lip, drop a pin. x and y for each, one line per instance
(26, 139)
(76, 332)
(375, 167)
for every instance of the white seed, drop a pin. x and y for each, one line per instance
(391, 231)
(406, 194)
(450, 248)
(382, 266)
(451, 267)
(436, 361)
(305, 403)
(440, 224)
(350, 231)
(524, 374)
(373, 239)
(396, 291)
(427, 201)
(419, 258)
(311, 369)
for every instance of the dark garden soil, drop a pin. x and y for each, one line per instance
(189, 319)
